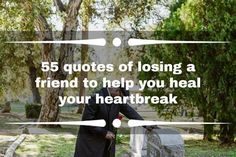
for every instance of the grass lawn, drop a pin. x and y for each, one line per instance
(199, 148)
(62, 145)
(54, 146)
(47, 145)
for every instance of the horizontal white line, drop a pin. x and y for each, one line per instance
(137, 42)
(97, 123)
(97, 42)
(131, 123)
(136, 123)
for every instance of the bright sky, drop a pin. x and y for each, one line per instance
(100, 25)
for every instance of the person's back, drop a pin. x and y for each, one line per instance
(100, 141)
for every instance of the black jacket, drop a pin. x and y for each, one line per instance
(91, 141)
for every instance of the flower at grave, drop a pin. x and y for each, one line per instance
(120, 117)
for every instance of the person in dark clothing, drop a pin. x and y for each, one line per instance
(100, 141)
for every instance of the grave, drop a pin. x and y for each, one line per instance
(163, 142)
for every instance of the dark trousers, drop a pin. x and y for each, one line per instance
(109, 150)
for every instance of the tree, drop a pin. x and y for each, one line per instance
(195, 20)
(41, 28)
(116, 15)
(19, 60)
(50, 108)
(86, 16)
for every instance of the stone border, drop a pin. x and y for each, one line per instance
(11, 150)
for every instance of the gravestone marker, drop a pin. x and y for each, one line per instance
(6, 108)
(163, 142)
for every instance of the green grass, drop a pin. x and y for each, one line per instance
(4, 126)
(121, 149)
(59, 145)
(47, 145)
(61, 150)
(65, 129)
(54, 146)
(62, 145)
(199, 148)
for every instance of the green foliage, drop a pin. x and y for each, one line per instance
(48, 145)
(135, 14)
(17, 20)
(215, 63)
(122, 139)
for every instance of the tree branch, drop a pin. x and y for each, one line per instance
(69, 33)
(60, 6)
(72, 13)
(46, 34)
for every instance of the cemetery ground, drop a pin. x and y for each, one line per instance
(60, 142)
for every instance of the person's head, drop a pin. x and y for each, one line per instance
(118, 92)
(115, 91)
(124, 91)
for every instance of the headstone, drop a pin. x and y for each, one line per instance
(163, 142)
(25, 130)
(137, 139)
(6, 108)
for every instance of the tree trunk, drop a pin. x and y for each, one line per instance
(84, 52)
(227, 132)
(50, 107)
(208, 116)
(32, 77)
(83, 74)
(208, 129)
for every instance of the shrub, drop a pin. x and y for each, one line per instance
(32, 110)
